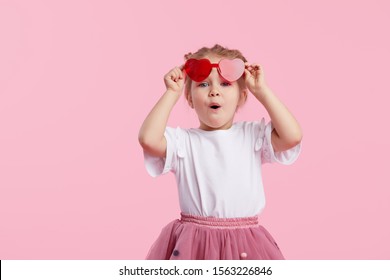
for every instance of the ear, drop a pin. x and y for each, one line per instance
(189, 99)
(243, 97)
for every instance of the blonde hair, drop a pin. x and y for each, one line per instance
(216, 50)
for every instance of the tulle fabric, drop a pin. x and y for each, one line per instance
(201, 238)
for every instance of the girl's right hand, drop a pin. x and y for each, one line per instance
(174, 80)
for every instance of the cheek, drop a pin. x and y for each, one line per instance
(233, 95)
(198, 96)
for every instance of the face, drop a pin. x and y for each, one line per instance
(215, 99)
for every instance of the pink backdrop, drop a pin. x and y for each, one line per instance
(77, 78)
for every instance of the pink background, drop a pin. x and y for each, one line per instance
(77, 78)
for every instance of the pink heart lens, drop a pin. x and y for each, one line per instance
(231, 70)
(199, 69)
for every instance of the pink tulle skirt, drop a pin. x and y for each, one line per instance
(210, 238)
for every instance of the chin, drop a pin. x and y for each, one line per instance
(221, 126)
(217, 124)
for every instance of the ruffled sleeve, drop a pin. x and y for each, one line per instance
(157, 166)
(264, 145)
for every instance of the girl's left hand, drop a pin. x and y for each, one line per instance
(254, 78)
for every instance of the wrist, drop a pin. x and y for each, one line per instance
(261, 92)
(173, 93)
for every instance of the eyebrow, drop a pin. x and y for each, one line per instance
(222, 79)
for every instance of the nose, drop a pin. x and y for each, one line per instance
(213, 93)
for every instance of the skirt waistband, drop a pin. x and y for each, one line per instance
(222, 223)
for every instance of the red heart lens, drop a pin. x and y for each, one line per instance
(198, 69)
(229, 69)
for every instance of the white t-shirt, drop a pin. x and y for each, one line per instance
(218, 172)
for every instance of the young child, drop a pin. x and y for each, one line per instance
(218, 165)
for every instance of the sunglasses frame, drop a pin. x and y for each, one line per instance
(210, 65)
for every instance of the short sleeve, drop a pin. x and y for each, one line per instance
(157, 166)
(264, 145)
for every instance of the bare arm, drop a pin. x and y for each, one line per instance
(151, 134)
(287, 132)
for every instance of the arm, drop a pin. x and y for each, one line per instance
(151, 134)
(287, 132)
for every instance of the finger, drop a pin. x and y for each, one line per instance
(257, 66)
(181, 72)
(170, 76)
(171, 72)
(173, 75)
(248, 67)
(247, 74)
(251, 70)
(178, 73)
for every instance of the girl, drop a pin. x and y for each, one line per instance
(218, 165)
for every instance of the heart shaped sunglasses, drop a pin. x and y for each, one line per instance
(199, 69)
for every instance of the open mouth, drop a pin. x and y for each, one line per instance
(214, 106)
